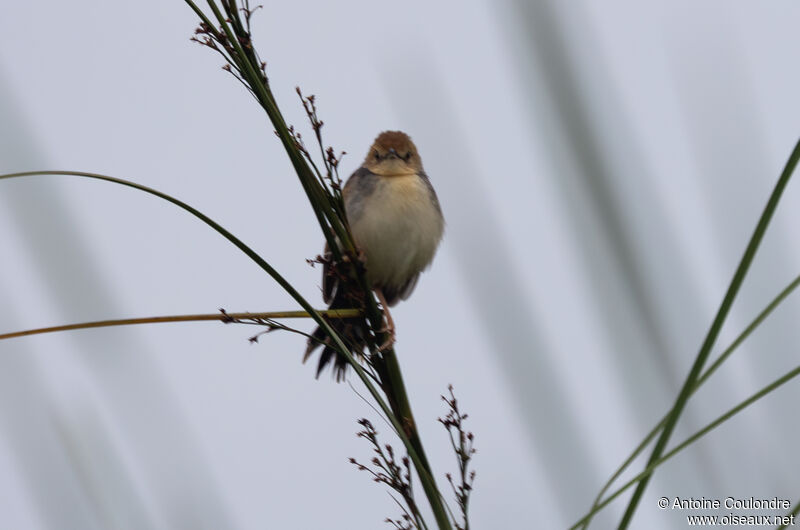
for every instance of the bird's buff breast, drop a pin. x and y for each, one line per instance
(398, 230)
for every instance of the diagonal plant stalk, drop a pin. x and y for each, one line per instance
(705, 350)
(255, 79)
(651, 466)
(235, 40)
(711, 369)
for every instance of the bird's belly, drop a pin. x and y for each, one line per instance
(399, 230)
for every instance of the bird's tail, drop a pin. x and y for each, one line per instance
(353, 332)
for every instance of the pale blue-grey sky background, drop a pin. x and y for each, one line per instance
(601, 166)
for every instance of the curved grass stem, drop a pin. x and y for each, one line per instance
(711, 369)
(399, 421)
(651, 466)
(705, 350)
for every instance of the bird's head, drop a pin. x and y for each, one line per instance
(393, 154)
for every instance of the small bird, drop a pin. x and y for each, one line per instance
(396, 223)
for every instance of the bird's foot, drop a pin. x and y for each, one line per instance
(389, 327)
(390, 338)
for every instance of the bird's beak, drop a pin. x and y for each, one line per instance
(392, 154)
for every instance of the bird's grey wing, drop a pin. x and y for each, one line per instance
(359, 186)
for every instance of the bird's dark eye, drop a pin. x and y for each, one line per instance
(407, 156)
(377, 155)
